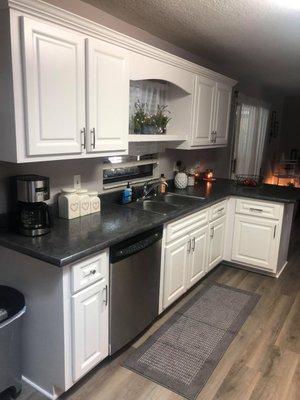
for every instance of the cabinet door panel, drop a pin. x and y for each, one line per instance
(198, 257)
(54, 82)
(255, 241)
(176, 264)
(222, 112)
(90, 328)
(203, 111)
(108, 95)
(216, 245)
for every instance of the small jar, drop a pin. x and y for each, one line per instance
(84, 202)
(68, 204)
(191, 177)
(95, 203)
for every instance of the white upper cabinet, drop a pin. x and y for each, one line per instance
(222, 112)
(108, 97)
(65, 89)
(54, 83)
(203, 111)
(211, 112)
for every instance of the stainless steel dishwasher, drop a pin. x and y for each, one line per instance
(134, 286)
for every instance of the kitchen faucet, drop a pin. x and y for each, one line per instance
(149, 187)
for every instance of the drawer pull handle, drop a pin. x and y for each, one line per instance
(255, 209)
(212, 232)
(89, 273)
(189, 246)
(194, 244)
(274, 234)
(93, 133)
(220, 209)
(105, 299)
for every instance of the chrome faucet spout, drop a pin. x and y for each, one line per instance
(148, 188)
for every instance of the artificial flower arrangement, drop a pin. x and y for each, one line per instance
(146, 123)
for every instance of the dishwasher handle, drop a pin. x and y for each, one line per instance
(134, 245)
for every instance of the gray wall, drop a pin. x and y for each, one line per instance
(290, 128)
(61, 173)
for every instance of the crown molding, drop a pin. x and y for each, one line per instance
(52, 13)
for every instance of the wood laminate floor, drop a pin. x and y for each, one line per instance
(262, 363)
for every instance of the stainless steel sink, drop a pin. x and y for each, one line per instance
(180, 200)
(164, 204)
(154, 205)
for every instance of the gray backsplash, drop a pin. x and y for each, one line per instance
(61, 173)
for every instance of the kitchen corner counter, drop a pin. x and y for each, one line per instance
(71, 240)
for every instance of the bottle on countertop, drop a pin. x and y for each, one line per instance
(127, 194)
(95, 203)
(163, 184)
(68, 204)
(191, 177)
(84, 202)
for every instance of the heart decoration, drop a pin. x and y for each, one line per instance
(85, 206)
(95, 206)
(74, 207)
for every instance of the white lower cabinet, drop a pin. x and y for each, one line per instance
(256, 241)
(216, 242)
(176, 267)
(90, 328)
(193, 253)
(198, 255)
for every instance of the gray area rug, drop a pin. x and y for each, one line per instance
(182, 354)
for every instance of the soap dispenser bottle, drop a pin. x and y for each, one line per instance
(127, 194)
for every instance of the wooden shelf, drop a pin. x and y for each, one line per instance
(157, 138)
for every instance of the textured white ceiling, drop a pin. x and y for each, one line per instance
(254, 40)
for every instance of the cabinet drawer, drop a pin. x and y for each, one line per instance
(184, 225)
(218, 210)
(89, 271)
(259, 208)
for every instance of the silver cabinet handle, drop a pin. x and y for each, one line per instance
(255, 209)
(92, 272)
(193, 244)
(274, 233)
(212, 231)
(105, 300)
(215, 136)
(83, 137)
(220, 210)
(93, 132)
(189, 246)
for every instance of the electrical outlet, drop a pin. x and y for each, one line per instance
(77, 181)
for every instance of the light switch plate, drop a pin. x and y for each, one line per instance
(77, 181)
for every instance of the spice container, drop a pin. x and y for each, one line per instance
(68, 204)
(95, 204)
(84, 202)
(191, 177)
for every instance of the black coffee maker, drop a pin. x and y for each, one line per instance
(33, 214)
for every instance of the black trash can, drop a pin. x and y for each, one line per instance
(12, 308)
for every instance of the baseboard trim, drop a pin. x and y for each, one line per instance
(39, 389)
(281, 270)
(248, 268)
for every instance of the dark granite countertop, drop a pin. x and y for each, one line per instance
(71, 240)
